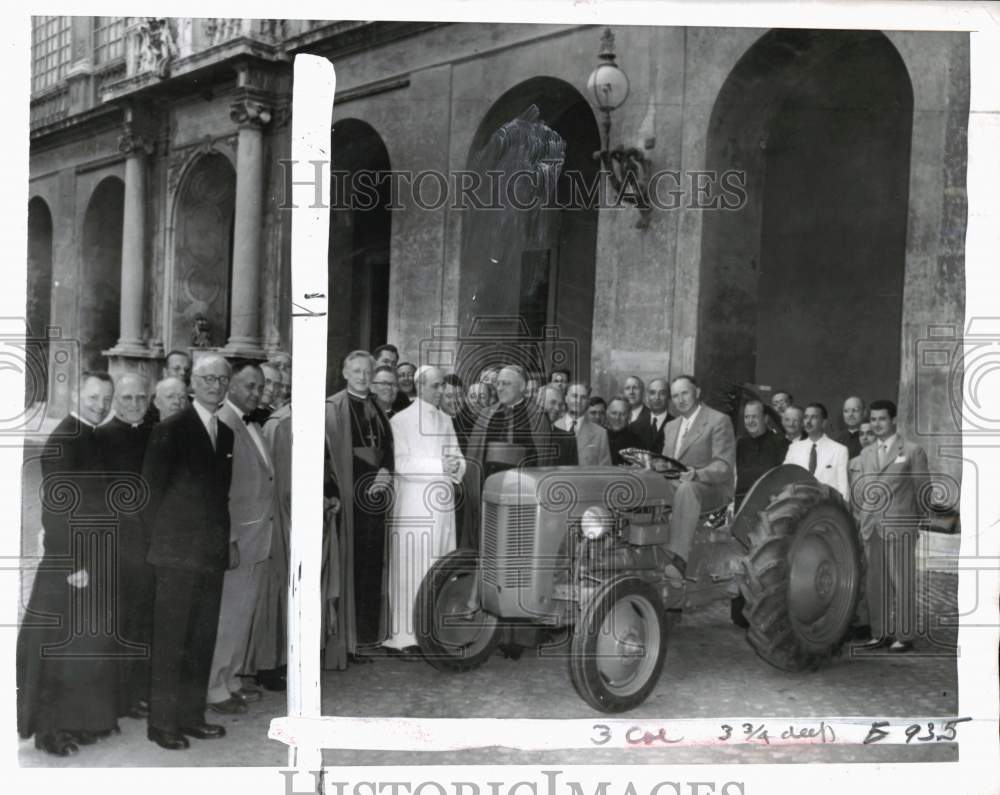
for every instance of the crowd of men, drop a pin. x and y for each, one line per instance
(162, 588)
(201, 571)
(398, 433)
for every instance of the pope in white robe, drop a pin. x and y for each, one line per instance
(429, 463)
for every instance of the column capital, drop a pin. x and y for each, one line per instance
(130, 142)
(247, 112)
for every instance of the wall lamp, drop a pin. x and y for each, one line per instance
(627, 168)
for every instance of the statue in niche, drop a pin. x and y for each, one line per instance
(156, 47)
(201, 334)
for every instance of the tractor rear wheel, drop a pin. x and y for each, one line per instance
(801, 577)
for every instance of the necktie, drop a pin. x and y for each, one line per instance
(652, 422)
(812, 460)
(883, 451)
(572, 427)
(213, 430)
(680, 438)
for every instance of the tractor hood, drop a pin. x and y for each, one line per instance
(562, 488)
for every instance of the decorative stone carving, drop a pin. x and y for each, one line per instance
(131, 143)
(201, 334)
(156, 47)
(246, 111)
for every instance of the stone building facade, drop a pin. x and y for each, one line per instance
(157, 195)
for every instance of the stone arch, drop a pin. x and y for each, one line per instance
(545, 280)
(38, 301)
(809, 271)
(360, 239)
(202, 249)
(99, 297)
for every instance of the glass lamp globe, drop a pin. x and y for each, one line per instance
(608, 85)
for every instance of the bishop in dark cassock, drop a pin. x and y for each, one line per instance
(67, 648)
(123, 441)
(361, 456)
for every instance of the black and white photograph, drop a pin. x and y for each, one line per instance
(645, 398)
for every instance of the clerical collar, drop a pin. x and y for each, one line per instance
(356, 396)
(80, 419)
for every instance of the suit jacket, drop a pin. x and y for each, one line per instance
(592, 448)
(852, 441)
(251, 492)
(644, 415)
(643, 430)
(709, 447)
(566, 444)
(831, 461)
(905, 474)
(618, 441)
(187, 514)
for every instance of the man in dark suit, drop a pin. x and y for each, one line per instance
(620, 435)
(650, 430)
(251, 514)
(67, 666)
(123, 441)
(634, 393)
(188, 468)
(758, 451)
(850, 437)
(703, 439)
(889, 494)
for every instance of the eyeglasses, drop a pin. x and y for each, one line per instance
(382, 383)
(212, 380)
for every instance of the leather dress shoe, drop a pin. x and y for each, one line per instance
(231, 706)
(84, 737)
(248, 696)
(874, 643)
(901, 647)
(273, 679)
(172, 741)
(57, 743)
(203, 731)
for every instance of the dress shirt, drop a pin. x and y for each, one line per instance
(252, 430)
(884, 450)
(659, 419)
(209, 420)
(686, 424)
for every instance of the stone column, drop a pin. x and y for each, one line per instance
(244, 308)
(136, 150)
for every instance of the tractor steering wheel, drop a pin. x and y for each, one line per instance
(664, 464)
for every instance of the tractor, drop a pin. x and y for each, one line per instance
(573, 559)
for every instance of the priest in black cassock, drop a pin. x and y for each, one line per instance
(516, 433)
(361, 456)
(66, 649)
(123, 444)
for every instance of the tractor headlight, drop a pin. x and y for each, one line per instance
(596, 521)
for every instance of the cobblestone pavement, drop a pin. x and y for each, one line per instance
(710, 672)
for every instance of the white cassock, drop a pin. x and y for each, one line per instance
(422, 526)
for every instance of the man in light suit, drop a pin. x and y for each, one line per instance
(818, 453)
(890, 495)
(251, 513)
(592, 448)
(702, 439)
(188, 466)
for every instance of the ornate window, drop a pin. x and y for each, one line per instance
(50, 51)
(109, 39)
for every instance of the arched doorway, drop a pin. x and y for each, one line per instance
(360, 235)
(541, 283)
(38, 301)
(100, 287)
(801, 289)
(203, 250)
